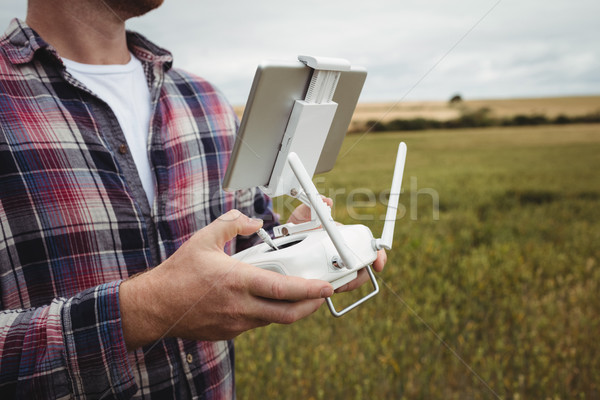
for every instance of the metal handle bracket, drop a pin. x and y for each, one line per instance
(336, 313)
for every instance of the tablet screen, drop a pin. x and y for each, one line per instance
(276, 86)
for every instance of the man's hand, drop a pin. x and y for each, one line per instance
(201, 293)
(363, 276)
(302, 214)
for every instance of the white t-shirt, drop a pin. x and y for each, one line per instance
(124, 88)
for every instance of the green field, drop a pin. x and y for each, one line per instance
(495, 296)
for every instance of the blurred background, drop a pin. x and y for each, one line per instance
(491, 289)
(482, 49)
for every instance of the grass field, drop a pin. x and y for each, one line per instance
(495, 296)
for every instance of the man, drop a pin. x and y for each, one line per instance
(103, 178)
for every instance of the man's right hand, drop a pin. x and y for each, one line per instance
(201, 293)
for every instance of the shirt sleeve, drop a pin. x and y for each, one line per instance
(72, 348)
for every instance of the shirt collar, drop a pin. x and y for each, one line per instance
(146, 51)
(20, 43)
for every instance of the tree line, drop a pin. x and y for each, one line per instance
(479, 118)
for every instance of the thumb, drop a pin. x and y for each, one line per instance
(231, 224)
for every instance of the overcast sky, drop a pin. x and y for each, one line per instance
(413, 49)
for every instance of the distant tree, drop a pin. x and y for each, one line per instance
(475, 118)
(562, 119)
(456, 99)
(376, 126)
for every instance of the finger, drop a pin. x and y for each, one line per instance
(272, 285)
(273, 311)
(327, 201)
(360, 279)
(302, 212)
(231, 224)
(381, 260)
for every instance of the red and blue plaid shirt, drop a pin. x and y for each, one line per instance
(74, 223)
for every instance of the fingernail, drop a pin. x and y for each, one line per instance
(326, 292)
(257, 220)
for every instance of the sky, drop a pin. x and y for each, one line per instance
(412, 49)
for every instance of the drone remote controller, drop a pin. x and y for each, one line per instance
(320, 248)
(312, 254)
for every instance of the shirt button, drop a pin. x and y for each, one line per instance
(189, 358)
(123, 149)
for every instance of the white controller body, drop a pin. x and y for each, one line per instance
(312, 254)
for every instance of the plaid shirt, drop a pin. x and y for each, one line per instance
(74, 223)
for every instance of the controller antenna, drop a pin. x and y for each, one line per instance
(387, 237)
